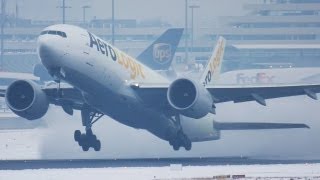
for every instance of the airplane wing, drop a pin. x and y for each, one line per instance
(237, 94)
(260, 93)
(68, 96)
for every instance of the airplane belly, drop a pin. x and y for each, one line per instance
(136, 114)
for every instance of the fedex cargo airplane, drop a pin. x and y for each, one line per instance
(271, 76)
(102, 80)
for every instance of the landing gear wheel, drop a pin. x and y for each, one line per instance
(88, 139)
(82, 140)
(176, 147)
(97, 145)
(85, 147)
(77, 135)
(188, 146)
(93, 138)
(181, 140)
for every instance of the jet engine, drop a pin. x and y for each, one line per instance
(189, 98)
(26, 99)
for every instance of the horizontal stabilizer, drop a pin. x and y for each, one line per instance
(256, 126)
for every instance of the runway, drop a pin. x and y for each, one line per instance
(171, 168)
(149, 162)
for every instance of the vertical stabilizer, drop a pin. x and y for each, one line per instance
(212, 71)
(159, 55)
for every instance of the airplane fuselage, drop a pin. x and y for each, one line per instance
(103, 74)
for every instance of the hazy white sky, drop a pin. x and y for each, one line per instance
(169, 10)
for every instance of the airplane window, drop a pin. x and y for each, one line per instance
(64, 34)
(44, 32)
(52, 32)
(60, 33)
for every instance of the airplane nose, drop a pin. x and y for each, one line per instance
(47, 51)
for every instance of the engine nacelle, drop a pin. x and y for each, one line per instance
(189, 98)
(26, 99)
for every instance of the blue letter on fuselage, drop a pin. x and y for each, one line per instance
(93, 41)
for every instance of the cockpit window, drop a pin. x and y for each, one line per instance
(52, 32)
(59, 33)
(44, 32)
(62, 34)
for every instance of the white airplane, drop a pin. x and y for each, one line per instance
(102, 80)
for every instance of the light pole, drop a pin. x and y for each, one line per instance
(186, 31)
(112, 40)
(192, 27)
(84, 13)
(63, 7)
(3, 20)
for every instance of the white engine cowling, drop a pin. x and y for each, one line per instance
(26, 99)
(201, 130)
(189, 98)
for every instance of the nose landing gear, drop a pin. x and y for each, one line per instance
(88, 139)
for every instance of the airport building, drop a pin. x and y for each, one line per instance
(274, 33)
(277, 33)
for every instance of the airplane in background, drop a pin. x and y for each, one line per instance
(102, 80)
(271, 76)
(246, 76)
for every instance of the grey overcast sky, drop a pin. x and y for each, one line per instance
(168, 10)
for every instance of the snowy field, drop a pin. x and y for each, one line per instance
(293, 171)
(56, 142)
(119, 141)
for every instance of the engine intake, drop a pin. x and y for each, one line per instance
(191, 99)
(26, 99)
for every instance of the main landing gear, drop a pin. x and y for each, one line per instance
(88, 139)
(180, 139)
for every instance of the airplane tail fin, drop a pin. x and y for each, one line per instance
(257, 126)
(159, 55)
(212, 71)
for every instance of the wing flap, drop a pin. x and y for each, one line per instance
(257, 126)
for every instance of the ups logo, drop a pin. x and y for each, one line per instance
(162, 53)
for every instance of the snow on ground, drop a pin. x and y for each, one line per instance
(55, 141)
(20, 144)
(311, 171)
